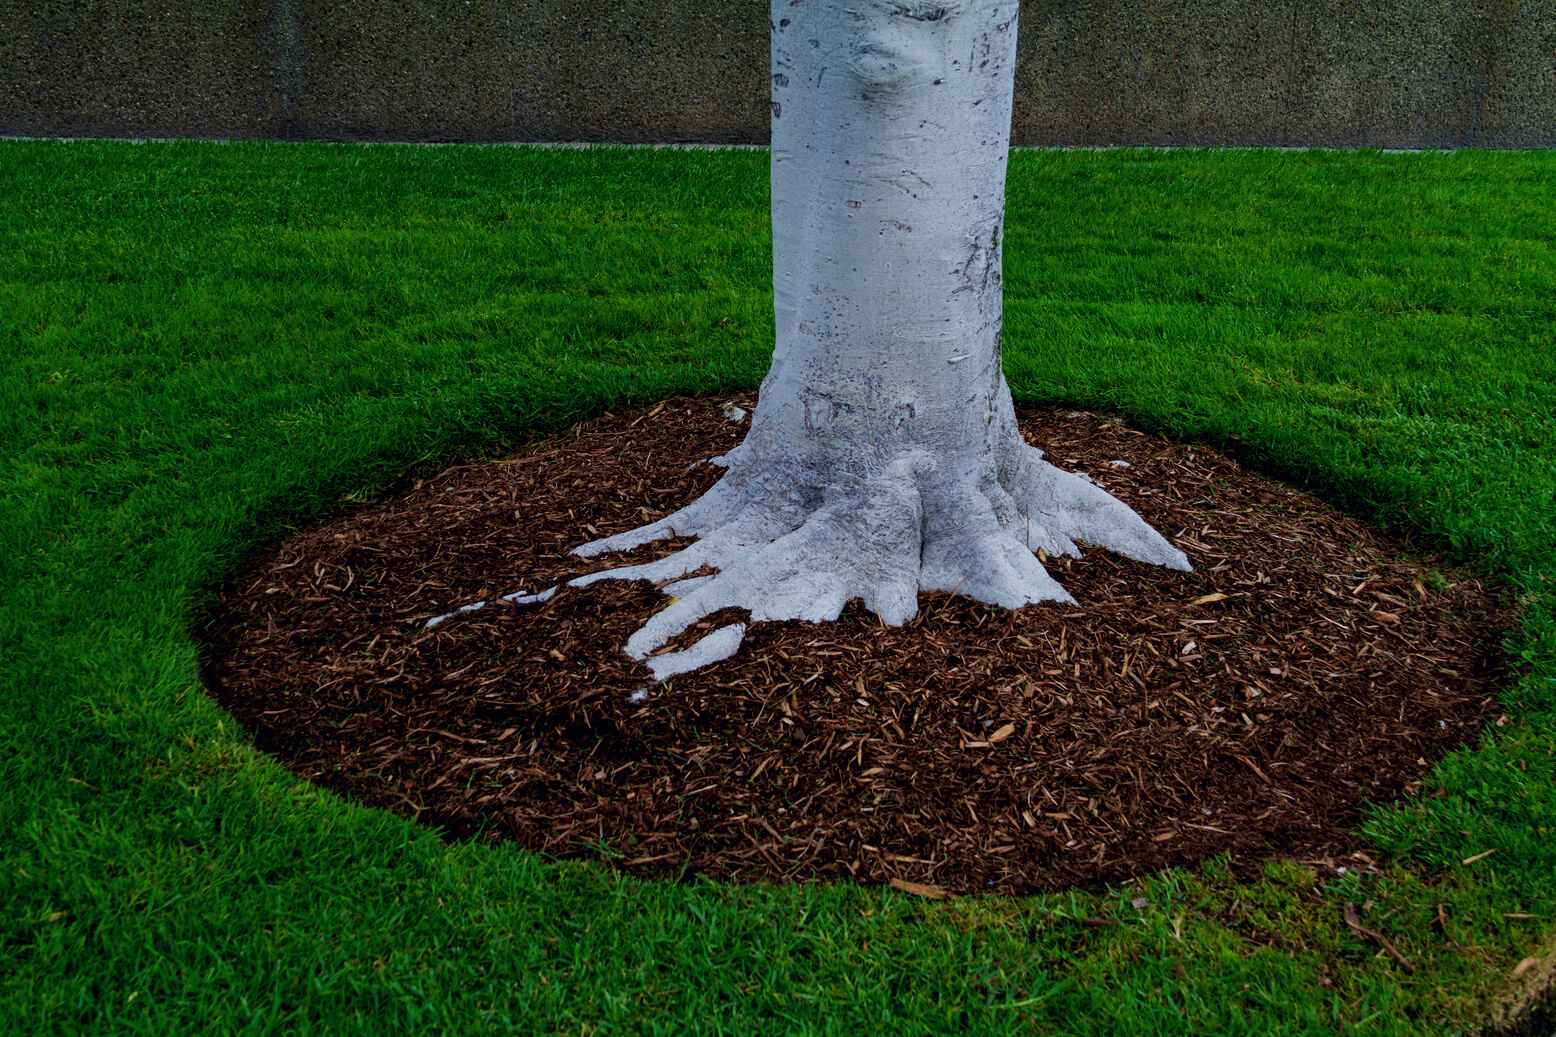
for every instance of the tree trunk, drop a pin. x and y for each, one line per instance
(883, 456)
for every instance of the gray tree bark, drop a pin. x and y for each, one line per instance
(883, 457)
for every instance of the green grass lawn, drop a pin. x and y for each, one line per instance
(209, 345)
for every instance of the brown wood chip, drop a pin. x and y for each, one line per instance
(918, 889)
(1351, 920)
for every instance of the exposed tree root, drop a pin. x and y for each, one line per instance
(784, 548)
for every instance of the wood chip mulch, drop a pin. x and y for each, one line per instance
(1251, 706)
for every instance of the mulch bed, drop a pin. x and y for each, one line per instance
(1251, 706)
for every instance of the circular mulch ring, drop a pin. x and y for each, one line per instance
(1250, 706)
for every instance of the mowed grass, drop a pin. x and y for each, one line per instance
(209, 345)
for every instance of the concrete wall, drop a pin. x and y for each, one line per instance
(1385, 73)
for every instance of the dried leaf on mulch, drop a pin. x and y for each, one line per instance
(1251, 706)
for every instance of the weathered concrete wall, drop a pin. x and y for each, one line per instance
(1385, 73)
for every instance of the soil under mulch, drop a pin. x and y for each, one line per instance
(1251, 706)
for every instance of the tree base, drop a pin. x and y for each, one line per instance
(781, 546)
(516, 723)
